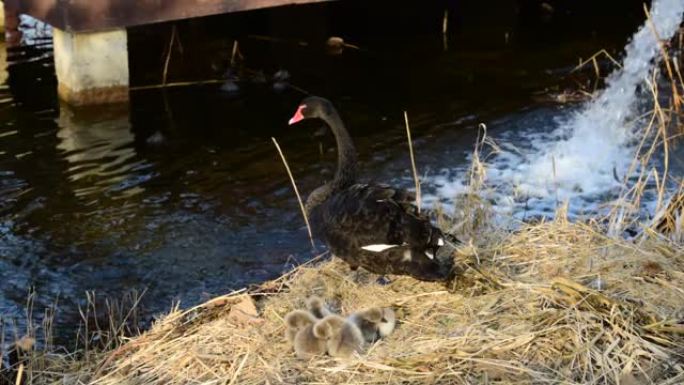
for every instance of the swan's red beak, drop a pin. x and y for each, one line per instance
(298, 116)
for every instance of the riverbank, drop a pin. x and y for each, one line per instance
(590, 301)
(554, 302)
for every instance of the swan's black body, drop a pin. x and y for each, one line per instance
(369, 225)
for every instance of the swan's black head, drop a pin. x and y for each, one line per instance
(312, 107)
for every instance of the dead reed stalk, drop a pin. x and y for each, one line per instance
(416, 179)
(234, 54)
(294, 187)
(168, 54)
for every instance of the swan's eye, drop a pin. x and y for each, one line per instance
(298, 116)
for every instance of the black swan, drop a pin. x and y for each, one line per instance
(374, 226)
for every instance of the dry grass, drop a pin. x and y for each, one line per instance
(554, 303)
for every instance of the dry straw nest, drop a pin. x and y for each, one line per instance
(553, 303)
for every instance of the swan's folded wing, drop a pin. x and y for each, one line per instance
(366, 215)
(398, 195)
(359, 216)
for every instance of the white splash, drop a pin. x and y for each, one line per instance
(581, 157)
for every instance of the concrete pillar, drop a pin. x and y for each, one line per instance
(2, 18)
(92, 68)
(11, 26)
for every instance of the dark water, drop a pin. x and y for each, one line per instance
(182, 193)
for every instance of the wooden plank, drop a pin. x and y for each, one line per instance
(97, 15)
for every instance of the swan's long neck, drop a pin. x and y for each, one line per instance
(346, 162)
(346, 153)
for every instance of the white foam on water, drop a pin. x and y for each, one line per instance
(579, 159)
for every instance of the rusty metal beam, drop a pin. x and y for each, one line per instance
(97, 15)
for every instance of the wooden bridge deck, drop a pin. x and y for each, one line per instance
(98, 15)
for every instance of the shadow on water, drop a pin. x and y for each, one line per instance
(181, 192)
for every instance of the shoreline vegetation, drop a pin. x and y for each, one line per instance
(551, 302)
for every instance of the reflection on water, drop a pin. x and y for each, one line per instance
(99, 151)
(3, 66)
(182, 193)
